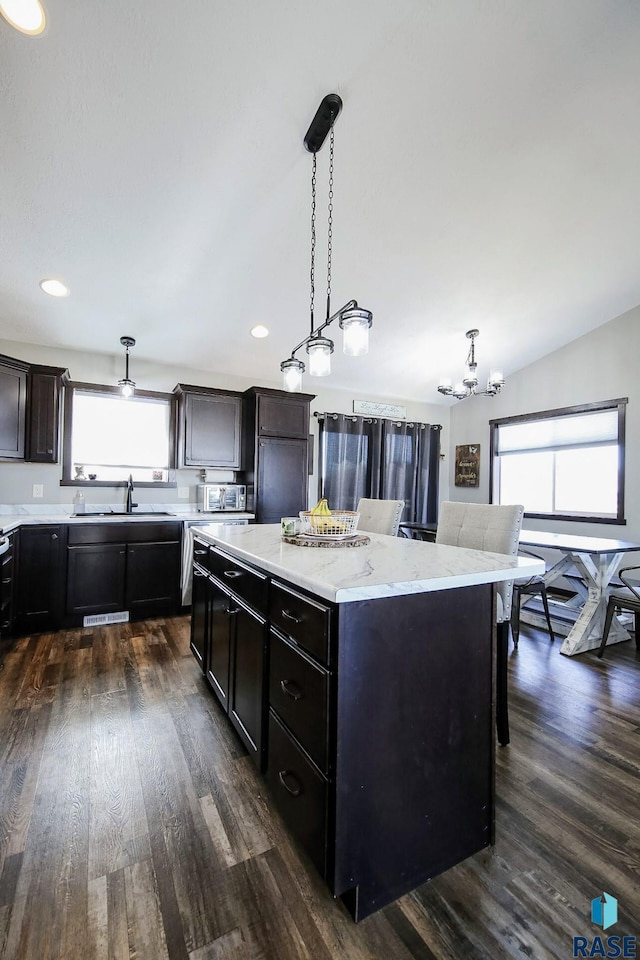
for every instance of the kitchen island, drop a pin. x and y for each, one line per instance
(362, 682)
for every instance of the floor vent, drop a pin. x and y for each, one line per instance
(100, 618)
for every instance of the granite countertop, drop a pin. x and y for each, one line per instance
(64, 514)
(385, 567)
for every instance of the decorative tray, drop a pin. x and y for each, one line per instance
(342, 540)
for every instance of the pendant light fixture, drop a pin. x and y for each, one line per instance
(353, 320)
(127, 386)
(468, 386)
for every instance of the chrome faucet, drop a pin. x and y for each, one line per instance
(130, 504)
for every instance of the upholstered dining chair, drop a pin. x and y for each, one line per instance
(380, 516)
(496, 528)
(625, 597)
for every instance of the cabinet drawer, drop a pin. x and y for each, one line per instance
(298, 691)
(299, 792)
(132, 532)
(302, 619)
(248, 584)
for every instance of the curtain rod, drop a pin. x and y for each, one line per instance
(353, 417)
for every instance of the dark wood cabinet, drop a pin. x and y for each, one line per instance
(378, 738)
(199, 616)
(40, 578)
(219, 642)
(45, 387)
(30, 410)
(282, 415)
(113, 567)
(229, 636)
(7, 588)
(208, 427)
(276, 452)
(153, 578)
(95, 578)
(13, 407)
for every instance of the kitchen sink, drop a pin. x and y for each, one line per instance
(123, 513)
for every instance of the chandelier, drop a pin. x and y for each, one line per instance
(468, 386)
(353, 320)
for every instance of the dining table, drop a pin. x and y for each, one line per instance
(590, 563)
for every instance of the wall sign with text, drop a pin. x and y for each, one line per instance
(468, 465)
(380, 409)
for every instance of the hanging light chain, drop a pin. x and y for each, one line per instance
(330, 222)
(313, 240)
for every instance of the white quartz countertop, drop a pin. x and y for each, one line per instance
(9, 522)
(385, 567)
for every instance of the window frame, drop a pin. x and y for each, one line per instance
(619, 404)
(67, 466)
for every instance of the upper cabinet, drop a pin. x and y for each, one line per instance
(276, 452)
(13, 407)
(278, 416)
(208, 427)
(45, 387)
(30, 409)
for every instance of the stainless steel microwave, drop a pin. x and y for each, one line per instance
(215, 497)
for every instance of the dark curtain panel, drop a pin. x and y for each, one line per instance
(382, 459)
(349, 452)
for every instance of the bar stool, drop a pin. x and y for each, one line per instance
(529, 588)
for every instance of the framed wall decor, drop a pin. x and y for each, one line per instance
(467, 465)
(380, 409)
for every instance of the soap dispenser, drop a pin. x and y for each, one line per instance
(78, 502)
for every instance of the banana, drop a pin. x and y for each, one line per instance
(321, 516)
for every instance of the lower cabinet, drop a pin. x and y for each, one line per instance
(229, 640)
(7, 589)
(375, 728)
(114, 567)
(39, 579)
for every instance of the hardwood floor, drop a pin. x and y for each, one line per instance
(133, 825)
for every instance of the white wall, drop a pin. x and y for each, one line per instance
(602, 365)
(17, 479)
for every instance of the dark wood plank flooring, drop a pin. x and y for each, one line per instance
(133, 825)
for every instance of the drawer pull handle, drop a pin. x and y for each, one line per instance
(232, 574)
(294, 791)
(290, 616)
(201, 553)
(291, 689)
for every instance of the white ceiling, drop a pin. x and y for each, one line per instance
(486, 175)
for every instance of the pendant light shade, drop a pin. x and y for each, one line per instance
(320, 350)
(292, 371)
(127, 385)
(355, 325)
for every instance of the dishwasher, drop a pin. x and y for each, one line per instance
(190, 526)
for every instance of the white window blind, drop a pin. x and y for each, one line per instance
(559, 432)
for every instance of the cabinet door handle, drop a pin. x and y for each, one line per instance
(294, 791)
(201, 553)
(54, 536)
(290, 616)
(232, 574)
(291, 689)
(197, 573)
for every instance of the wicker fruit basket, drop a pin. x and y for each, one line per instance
(339, 523)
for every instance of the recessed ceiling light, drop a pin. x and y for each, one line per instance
(259, 331)
(55, 288)
(27, 16)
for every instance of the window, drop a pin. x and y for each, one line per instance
(567, 464)
(108, 437)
